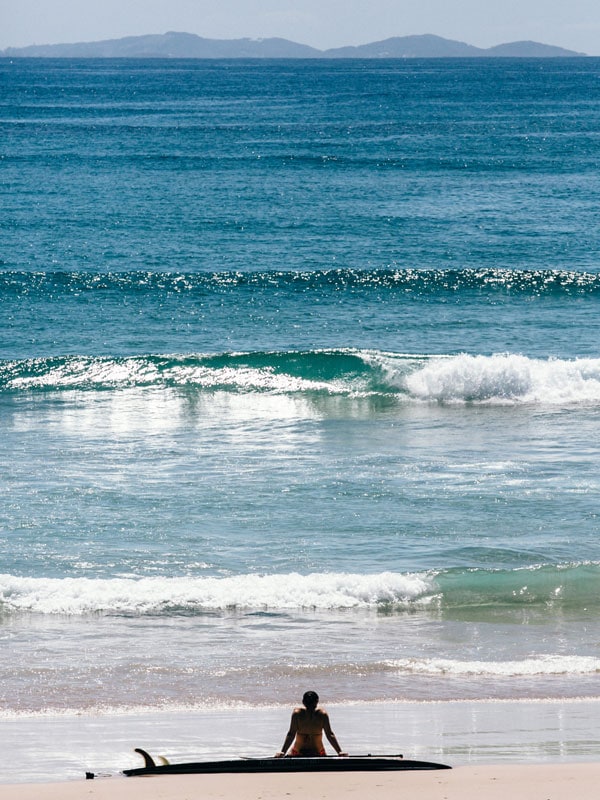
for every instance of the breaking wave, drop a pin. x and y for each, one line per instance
(504, 379)
(569, 586)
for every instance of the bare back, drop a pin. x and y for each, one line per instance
(308, 726)
(306, 732)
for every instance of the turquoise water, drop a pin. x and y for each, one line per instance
(299, 382)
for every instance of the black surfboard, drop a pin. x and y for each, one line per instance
(366, 763)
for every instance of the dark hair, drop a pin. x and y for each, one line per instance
(310, 699)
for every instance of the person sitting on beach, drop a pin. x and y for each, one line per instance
(306, 730)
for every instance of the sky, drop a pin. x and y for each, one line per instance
(574, 24)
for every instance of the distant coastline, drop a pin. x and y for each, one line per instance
(189, 45)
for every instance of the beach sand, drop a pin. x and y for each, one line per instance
(519, 782)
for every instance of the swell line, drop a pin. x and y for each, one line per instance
(565, 586)
(505, 378)
(419, 282)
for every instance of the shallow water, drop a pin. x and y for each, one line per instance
(65, 748)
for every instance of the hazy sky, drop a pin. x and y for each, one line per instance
(574, 24)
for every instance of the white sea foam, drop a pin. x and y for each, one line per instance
(538, 665)
(154, 595)
(89, 372)
(506, 378)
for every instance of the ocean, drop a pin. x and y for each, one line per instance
(299, 389)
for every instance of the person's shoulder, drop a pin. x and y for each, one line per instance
(298, 710)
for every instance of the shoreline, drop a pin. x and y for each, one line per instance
(53, 748)
(552, 781)
(11, 715)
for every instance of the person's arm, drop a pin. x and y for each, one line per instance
(290, 736)
(331, 737)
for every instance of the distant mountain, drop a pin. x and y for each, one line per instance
(168, 45)
(429, 46)
(188, 45)
(426, 46)
(529, 49)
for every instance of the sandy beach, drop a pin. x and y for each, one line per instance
(529, 782)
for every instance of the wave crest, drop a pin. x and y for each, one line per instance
(573, 586)
(506, 378)
(540, 665)
(475, 379)
(319, 591)
(570, 586)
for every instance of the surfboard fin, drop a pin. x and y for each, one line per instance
(148, 760)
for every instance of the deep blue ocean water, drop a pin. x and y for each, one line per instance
(299, 382)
